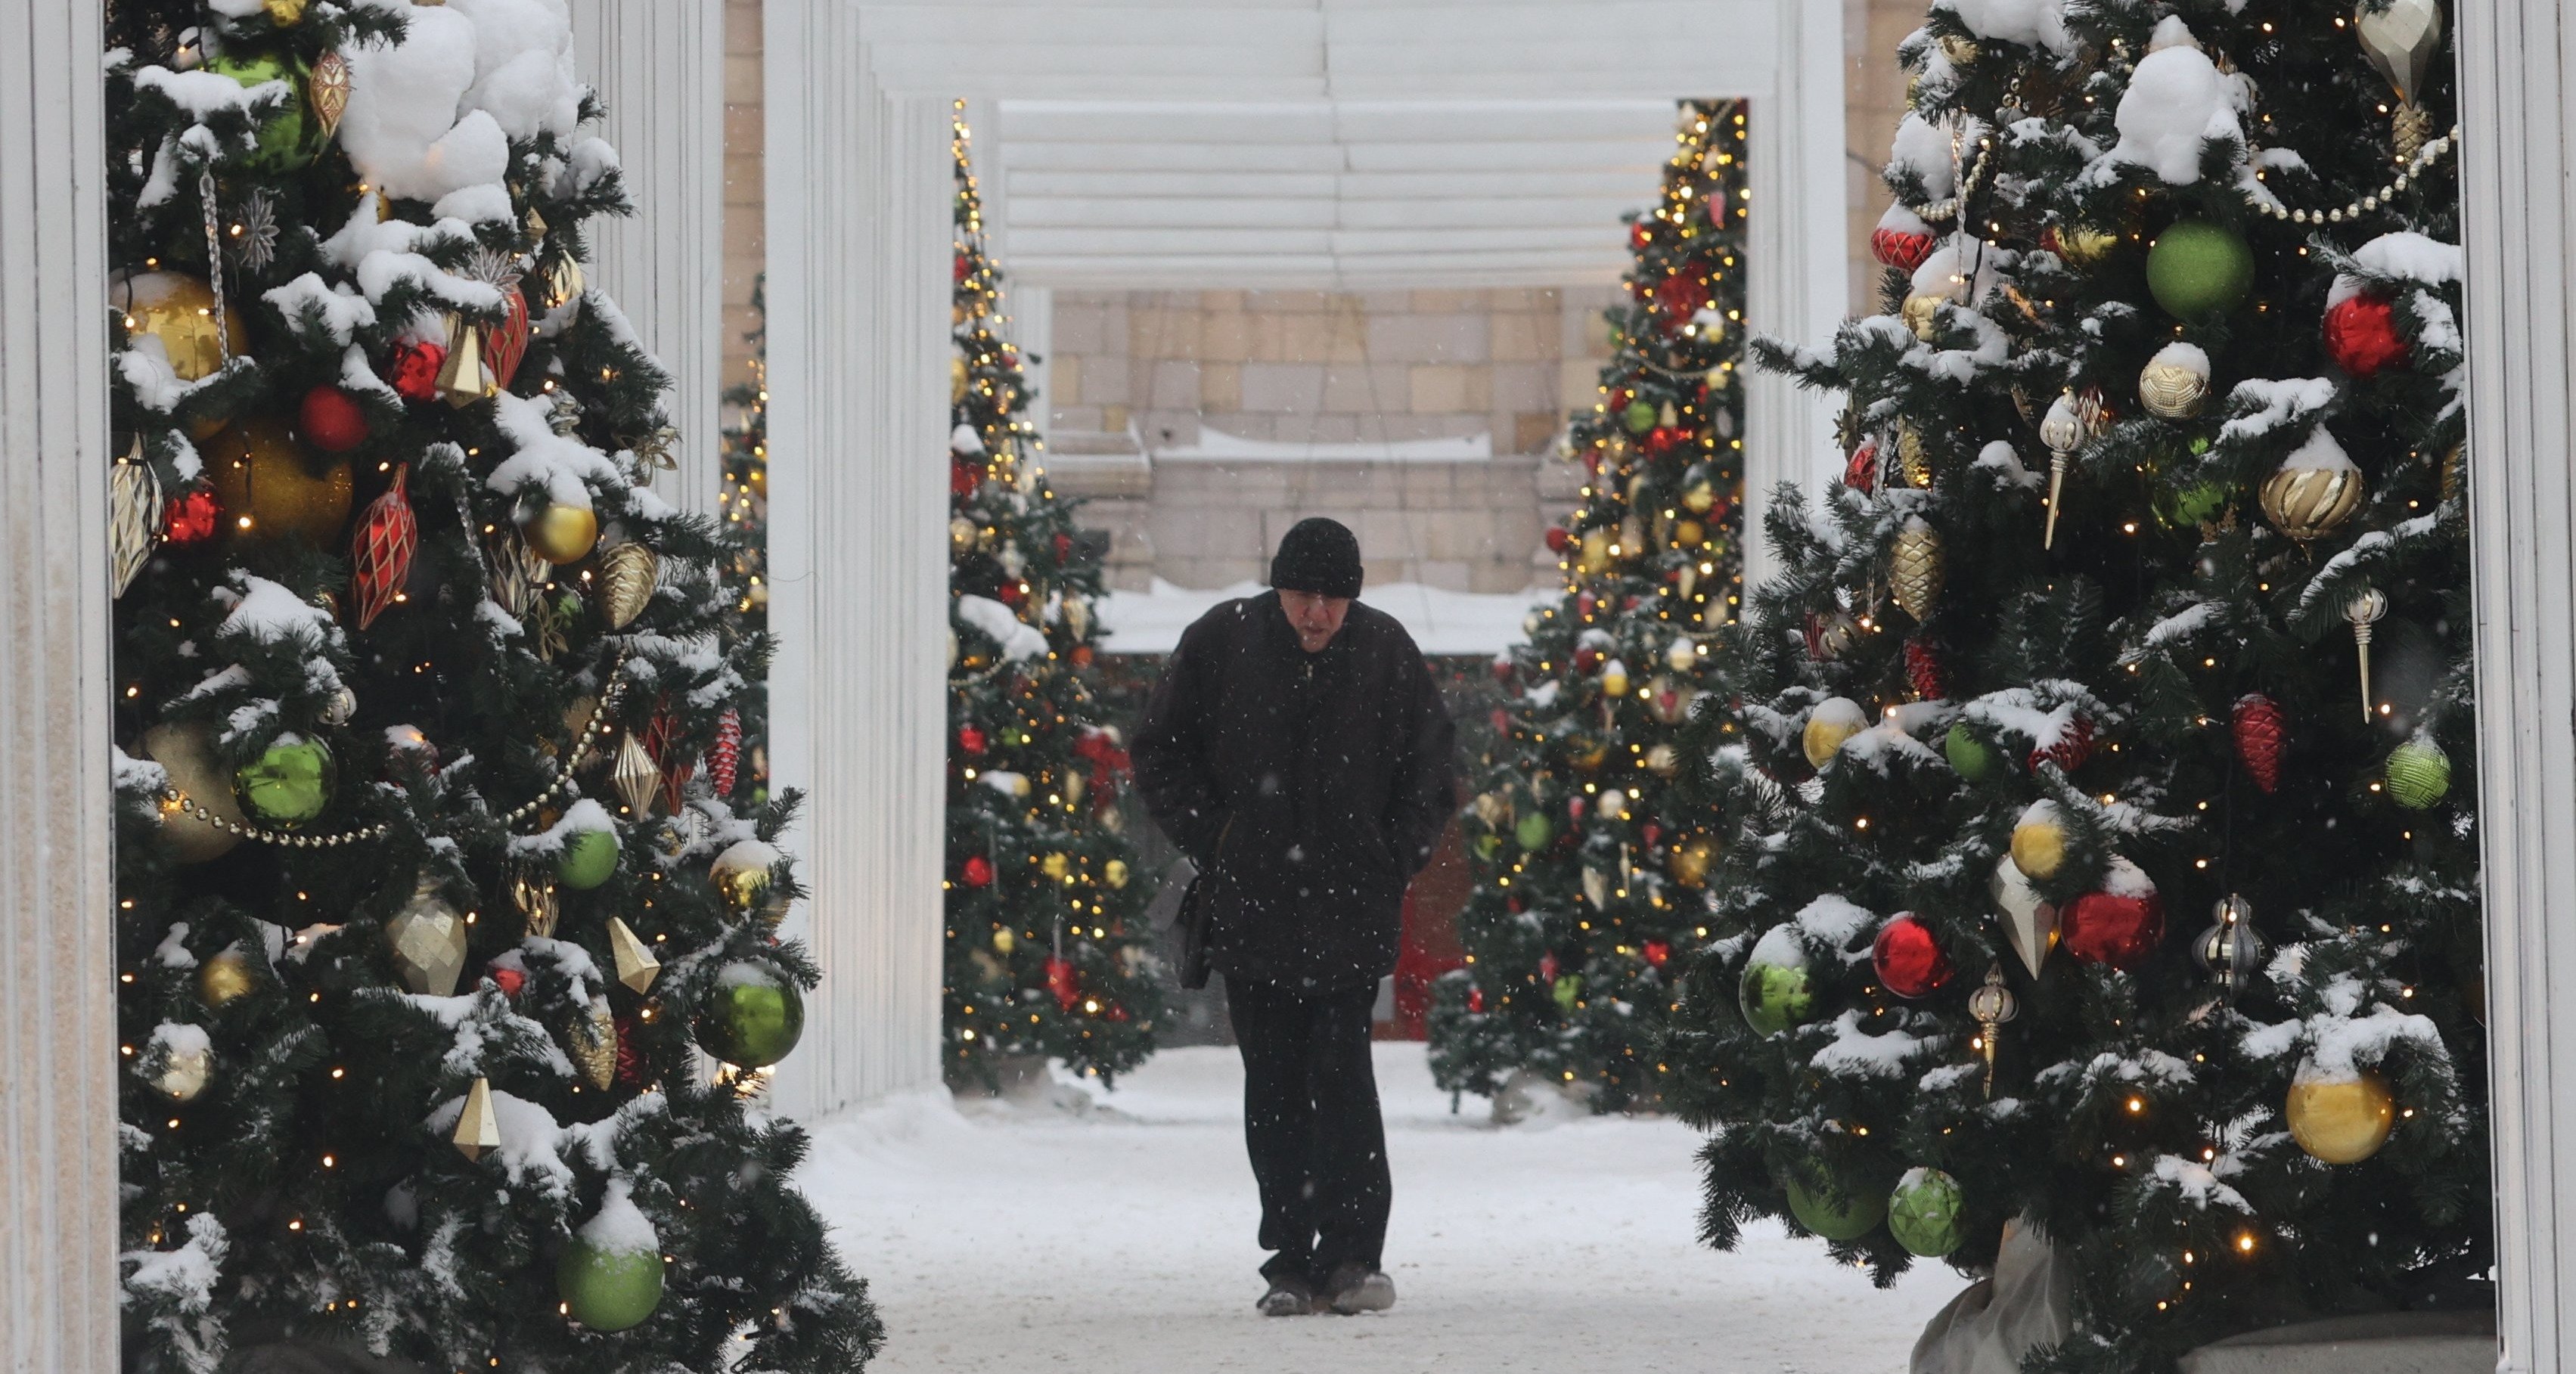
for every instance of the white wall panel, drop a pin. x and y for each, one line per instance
(659, 68)
(858, 195)
(2518, 162)
(57, 981)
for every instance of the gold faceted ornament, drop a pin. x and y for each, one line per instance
(1596, 888)
(134, 518)
(1913, 462)
(634, 775)
(1919, 313)
(267, 489)
(564, 281)
(636, 966)
(741, 874)
(538, 906)
(462, 377)
(428, 939)
(517, 571)
(1915, 572)
(2172, 391)
(627, 576)
(186, 755)
(178, 309)
(591, 1040)
(327, 89)
(2341, 1121)
(562, 534)
(2309, 503)
(224, 978)
(1689, 861)
(1595, 552)
(478, 1127)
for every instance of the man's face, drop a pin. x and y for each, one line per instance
(1315, 616)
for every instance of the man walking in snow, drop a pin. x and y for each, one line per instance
(1297, 750)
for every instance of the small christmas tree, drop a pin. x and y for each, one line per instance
(431, 885)
(744, 505)
(1588, 863)
(1047, 954)
(2144, 597)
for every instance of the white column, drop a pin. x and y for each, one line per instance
(2517, 82)
(858, 191)
(1795, 287)
(1033, 329)
(57, 981)
(659, 68)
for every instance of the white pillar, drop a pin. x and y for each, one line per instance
(659, 68)
(57, 981)
(858, 191)
(2517, 82)
(1795, 284)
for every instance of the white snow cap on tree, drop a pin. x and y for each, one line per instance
(2032, 23)
(1923, 148)
(2191, 358)
(2177, 100)
(620, 1228)
(1018, 639)
(964, 440)
(430, 118)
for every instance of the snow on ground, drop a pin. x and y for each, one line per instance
(1119, 1240)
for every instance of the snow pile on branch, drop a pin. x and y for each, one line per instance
(1018, 639)
(2032, 23)
(1922, 148)
(2177, 100)
(561, 467)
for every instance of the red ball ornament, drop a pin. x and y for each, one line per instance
(1587, 660)
(2074, 745)
(2260, 735)
(1585, 603)
(958, 268)
(1500, 719)
(1658, 953)
(964, 477)
(1011, 594)
(1923, 671)
(2361, 336)
(1907, 959)
(1547, 967)
(1061, 982)
(1899, 246)
(1650, 833)
(969, 740)
(381, 550)
(1639, 235)
(413, 372)
(510, 981)
(1475, 999)
(1081, 655)
(1063, 548)
(1861, 473)
(978, 871)
(1679, 297)
(1558, 540)
(1661, 439)
(2119, 926)
(190, 517)
(331, 421)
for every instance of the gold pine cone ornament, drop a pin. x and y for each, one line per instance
(1915, 568)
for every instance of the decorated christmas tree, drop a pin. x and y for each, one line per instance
(2095, 858)
(447, 976)
(1047, 955)
(1587, 861)
(744, 504)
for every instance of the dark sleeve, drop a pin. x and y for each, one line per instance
(1170, 751)
(1426, 791)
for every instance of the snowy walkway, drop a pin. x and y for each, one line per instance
(1121, 1242)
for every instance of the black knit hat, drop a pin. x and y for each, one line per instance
(1317, 555)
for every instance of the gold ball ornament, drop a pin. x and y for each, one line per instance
(1689, 534)
(1594, 552)
(741, 873)
(2314, 491)
(1920, 314)
(2171, 388)
(1689, 861)
(185, 1070)
(1835, 720)
(267, 489)
(1004, 941)
(961, 534)
(1056, 866)
(1614, 678)
(562, 534)
(1114, 873)
(2341, 1121)
(179, 310)
(186, 754)
(1915, 569)
(225, 978)
(2039, 842)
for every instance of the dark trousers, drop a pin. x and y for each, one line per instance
(1310, 1119)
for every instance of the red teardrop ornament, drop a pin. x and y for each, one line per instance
(380, 553)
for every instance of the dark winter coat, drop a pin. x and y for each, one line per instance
(1308, 788)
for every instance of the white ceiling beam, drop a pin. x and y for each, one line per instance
(1549, 183)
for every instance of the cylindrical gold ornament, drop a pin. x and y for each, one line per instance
(2342, 1121)
(1915, 571)
(627, 577)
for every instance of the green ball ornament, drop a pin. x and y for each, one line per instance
(1970, 757)
(1923, 1212)
(290, 137)
(1533, 831)
(1639, 416)
(2198, 270)
(1489, 847)
(608, 1290)
(1568, 991)
(589, 856)
(2187, 507)
(1776, 993)
(753, 1015)
(1859, 1213)
(288, 784)
(2419, 774)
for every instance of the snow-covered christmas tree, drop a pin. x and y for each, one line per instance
(1047, 953)
(2095, 857)
(1588, 863)
(434, 903)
